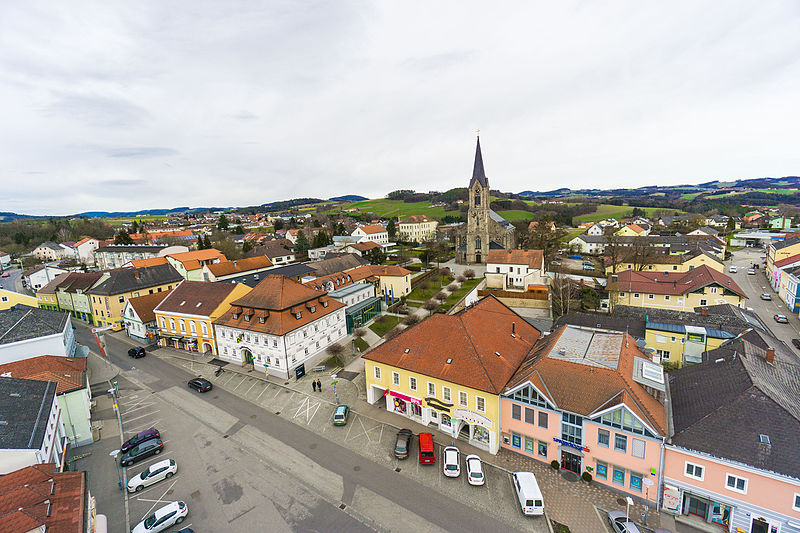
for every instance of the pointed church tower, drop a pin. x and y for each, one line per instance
(477, 239)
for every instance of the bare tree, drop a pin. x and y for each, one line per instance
(561, 289)
(452, 287)
(336, 350)
(392, 333)
(359, 333)
(642, 254)
(425, 285)
(430, 306)
(545, 237)
(469, 273)
(441, 296)
(460, 278)
(614, 249)
(410, 320)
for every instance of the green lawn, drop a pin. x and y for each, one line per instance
(516, 215)
(615, 211)
(397, 208)
(461, 292)
(571, 233)
(362, 345)
(690, 195)
(380, 328)
(780, 192)
(144, 218)
(419, 295)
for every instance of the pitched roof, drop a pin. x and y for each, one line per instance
(193, 257)
(69, 373)
(365, 246)
(114, 248)
(672, 283)
(150, 261)
(790, 239)
(483, 352)
(336, 280)
(416, 219)
(531, 258)
(79, 281)
(478, 174)
(130, 279)
(294, 270)
(635, 227)
(20, 322)
(52, 286)
(84, 241)
(239, 266)
(271, 249)
(195, 298)
(276, 293)
(585, 370)
(788, 260)
(372, 229)
(145, 305)
(25, 406)
(341, 263)
(367, 271)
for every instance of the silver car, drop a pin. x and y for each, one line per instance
(621, 524)
(152, 474)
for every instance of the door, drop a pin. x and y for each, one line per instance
(759, 526)
(570, 462)
(698, 507)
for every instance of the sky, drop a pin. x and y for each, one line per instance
(125, 106)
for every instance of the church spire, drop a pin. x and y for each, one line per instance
(478, 173)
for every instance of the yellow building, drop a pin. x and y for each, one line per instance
(678, 344)
(393, 281)
(781, 250)
(115, 287)
(699, 287)
(675, 263)
(46, 296)
(9, 299)
(448, 371)
(184, 318)
(631, 230)
(418, 228)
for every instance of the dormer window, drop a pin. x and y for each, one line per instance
(247, 318)
(325, 304)
(298, 315)
(235, 315)
(313, 308)
(261, 320)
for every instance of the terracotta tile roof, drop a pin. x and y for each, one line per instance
(368, 271)
(226, 268)
(371, 229)
(532, 258)
(122, 280)
(193, 258)
(338, 279)
(39, 497)
(472, 338)
(51, 287)
(276, 293)
(788, 260)
(672, 284)
(586, 387)
(365, 246)
(158, 234)
(151, 261)
(144, 305)
(636, 227)
(68, 372)
(84, 240)
(195, 298)
(341, 263)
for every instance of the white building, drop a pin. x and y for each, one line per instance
(30, 331)
(418, 228)
(280, 327)
(85, 248)
(116, 255)
(41, 275)
(596, 229)
(50, 251)
(371, 232)
(516, 269)
(5, 259)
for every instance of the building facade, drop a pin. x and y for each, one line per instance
(117, 255)
(30, 332)
(418, 228)
(139, 318)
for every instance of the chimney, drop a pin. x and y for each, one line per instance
(704, 311)
(136, 274)
(513, 328)
(770, 356)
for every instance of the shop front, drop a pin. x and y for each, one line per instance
(478, 429)
(698, 506)
(404, 405)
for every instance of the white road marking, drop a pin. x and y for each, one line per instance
(237, 386)
(160, 500)
(136, 429)
(251, 388)
(308, 407)
(141, 416)
(262, 392)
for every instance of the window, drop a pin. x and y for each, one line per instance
(637, 448)
(622, 295)
(462, 398)
(601, 470)
(619, 476)
(183, 326)
(735, 483)
(431, 389)
(121, 299)
(666, 297)
(796, 504)
(542, 419)
(163, 323)
(636, 482)
(172, 324)
(530, 415)
(446, 394)
(395, 378)
(572, 428)
(516, 411)
(650, 296)
(530, 396)
(135, 294)
(192, 328)
(694, 471)
(480, 404)
(703, 302)
(541, 449)
(530, 445)
(603, 437)
(412, 383)
(620, 443)
(635, 294)
(516, 440)
(204, 328)
(377, 373)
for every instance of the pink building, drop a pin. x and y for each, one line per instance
(591, 400)
(734, 457)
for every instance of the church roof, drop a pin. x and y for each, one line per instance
(478, 173)
(500, 220)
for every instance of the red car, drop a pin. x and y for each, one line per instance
(4, 275)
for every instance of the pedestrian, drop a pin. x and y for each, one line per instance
(319, 385)
(314, 385)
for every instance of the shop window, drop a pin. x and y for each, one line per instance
(377, 373)
(395, 378)
(542, 419)
(636, 482)
(516, 411)
(637, 448)
(516, 440)
(480, 404)
(694, 471)
(462, 399)
(619, 476)
(446, 394)
(620, 443)
(541, 449)
(603, 437)
(530, 445)
(601, 470)
(412, 383)
(736, 483)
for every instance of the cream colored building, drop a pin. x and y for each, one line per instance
(418, 228)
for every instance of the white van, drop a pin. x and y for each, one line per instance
(528, 493)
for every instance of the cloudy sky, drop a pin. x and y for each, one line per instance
(152, 104)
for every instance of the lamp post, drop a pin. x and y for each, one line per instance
(628, 503)
(647, 484)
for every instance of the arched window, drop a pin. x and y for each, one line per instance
(477, 199)
(477, 243)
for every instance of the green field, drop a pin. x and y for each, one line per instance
(516, 215)
(571, 233)
(384, 208)
(690, 195)
(614, 211)
(780, 192)
(143, 218)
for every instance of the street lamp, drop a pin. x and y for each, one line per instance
(628, 503)
(114, 453)
(647, 484)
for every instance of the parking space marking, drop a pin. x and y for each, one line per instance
(152, 459)
(142, 416)
(136, 429)
(151, 487)
(308, 407)
(156, 502)
(230, 377)
(251, 387)
(238, 385)
(262, 392)
(276, 393)
(139, 406)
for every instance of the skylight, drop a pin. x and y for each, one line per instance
(764, 439)
(653, 372)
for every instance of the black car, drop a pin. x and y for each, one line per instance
(200, 384)
(142, 451)
(137, 353)
(796, 343)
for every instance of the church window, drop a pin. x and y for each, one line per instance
(477, 242)
(477, 199)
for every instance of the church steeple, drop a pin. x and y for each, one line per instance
(478, 173)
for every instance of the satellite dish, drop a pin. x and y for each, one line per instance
(647, 482)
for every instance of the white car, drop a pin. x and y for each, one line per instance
(169, 515)
(474, 470)
(153, 474)
(732, 270)
(452, 461)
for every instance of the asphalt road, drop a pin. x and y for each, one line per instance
(13, 282)
(393, 497)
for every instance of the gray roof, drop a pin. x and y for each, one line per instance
(723, 405)
(21, 322)
(478, 173)
(337, 264)
(51, 245)
(786, 242)
(500, 220)
(294, 270)
(24, 409)
(130, 279)
(602, 321)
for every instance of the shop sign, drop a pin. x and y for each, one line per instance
(473, 418)
(672, 499)
(406, 398)
(438, 405)
(571, 445)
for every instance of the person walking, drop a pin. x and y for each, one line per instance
(319, 385)
(314, 385)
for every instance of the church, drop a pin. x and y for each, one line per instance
(485, 229)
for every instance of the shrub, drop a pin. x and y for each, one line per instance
(410, 320)
(554, 464)
(587, 477)
(441, 296)
(469, 273)
(430, 305)
(452, 287)
(460, 278)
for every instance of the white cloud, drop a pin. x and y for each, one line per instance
(153, 104)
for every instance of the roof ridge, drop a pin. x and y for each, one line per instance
(480, 360)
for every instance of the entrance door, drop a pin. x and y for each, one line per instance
(478, 257)
(759, 526)
(698, 508)
(570, 462)
(247, 355)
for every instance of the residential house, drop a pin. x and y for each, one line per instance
(73, 296)
(85, 249)
(50, 251)
(550, 226)
(590, 400)
(295, 271)
(34, 431)
(705, 230)
(779, 277)
(448, 371)
(783, 223)
(5, 259)
(315, 254)
(138, 316)
(30, 331)
(779, 250)
(333, 265)
(792, 293)
(116, 286)
(699, 287)
(46, 295)
(9, 299)
(190, 264)
(40, 275)
(516, 269)
(42, 498)
(154, 237)
(229, 269)
(720, 221)
(276, 251)
(371, 232)
(394, 281)
(632, 230)
(361, 249)
(417, 228)
(73, 393)
(185, 317)
(595, 230)
(670, 263)
(732, 460)
(117, 255)
(358, 295)
(609, 223)
(280, 327)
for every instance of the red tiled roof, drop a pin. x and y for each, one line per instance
(365, 246)
(225, 268)
(68, 372)
(672, 284)
(144, 305)
(276, 293)
(531, 258)
(198, 255)
(788, 260)
(51, 287)
(479, 341)
(151, 261)
(339, 280)
(366, 271)
(84, 240)
(416, 219)
(373, 228)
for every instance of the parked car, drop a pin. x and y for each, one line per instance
(142, 436)
(528, 492)
(733, 270)
(451, 461)
(403, 443)
(200, 385)
(169, 515)
(340, 415)
(588, 267)
(153, 474)
(426, 454)
(5, 275)
(574, 257)
(137, 353)
(141, 451)
(796, 343)
(765, 296)
(751, 271)
(781, 319)
(621, 524)
(474, 470)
